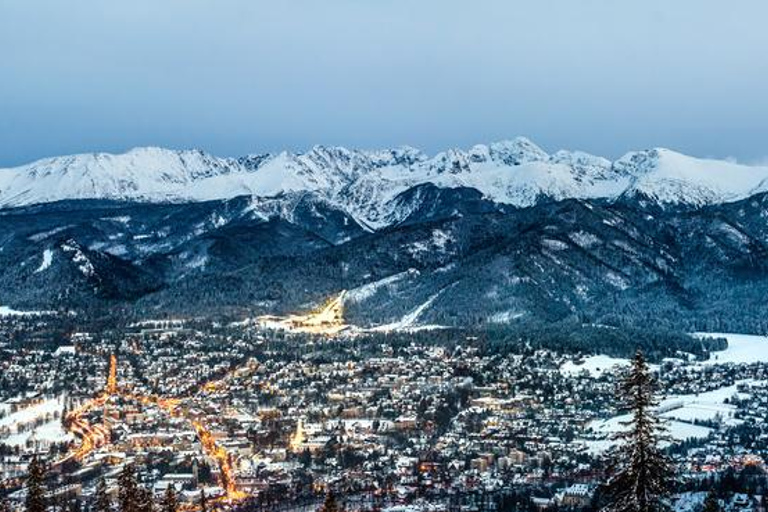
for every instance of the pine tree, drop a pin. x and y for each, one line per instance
(169, 503)
(145, 501)
(35, 501)
(203, 501)
(330, 504)
(101, 501)
(128, 492)
(75, 506)
(710, 502)
(642, 473)
(5, 505)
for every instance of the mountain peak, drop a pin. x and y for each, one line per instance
(364, 182)
(517, 151)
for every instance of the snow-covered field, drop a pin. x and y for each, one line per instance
(676, 430)
(706, 406)
(742, 348)
(681, 412)
(594, 365)
(6, 311)
(50, 431)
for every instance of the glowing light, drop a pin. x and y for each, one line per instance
(298, 437)
(112, 377)
(95, 436)
(328, 319)
(222, 458)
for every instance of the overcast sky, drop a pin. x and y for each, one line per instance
(244, 76)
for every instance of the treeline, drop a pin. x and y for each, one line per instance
(566, 336)
(572, 337)
(40, 496)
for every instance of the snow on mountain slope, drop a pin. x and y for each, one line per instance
(670, 177)
(144, 173)
(364, 183)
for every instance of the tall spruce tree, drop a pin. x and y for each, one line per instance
(641, 472)
(75, 505)
(35, 500)
(711, 504)
(169, 503)
(203, 501)
(5, 505)
(101, 500)
(145, 501)
(331, 504)
(128, 489)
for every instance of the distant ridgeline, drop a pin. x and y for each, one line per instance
(503, 239)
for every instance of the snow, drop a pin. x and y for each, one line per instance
(742, 349)
(6, 311)
(366, 291)
(681, 413)
(554, 245)
(676, 430)
(505, 317)
(78, 256)
(122, 219)
(408, 322)
(616, 280)
(39, 237)
(689, 501)
(705, 406)
(438, 242)
(671, 177)
(194, 262)
(47, 432)
(47, 260)
(366, 184)
(33, 412)
(594, 365)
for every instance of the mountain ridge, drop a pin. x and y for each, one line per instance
(365, 183)
(493, 235)
(469, 261)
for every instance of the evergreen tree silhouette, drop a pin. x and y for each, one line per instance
(711, 504)
(642, 473)
(35, 500)
(101, 500)
(169, 503)
(331, 504)
(145, 501)
(5, 505)
(128, 490)
(203, 501)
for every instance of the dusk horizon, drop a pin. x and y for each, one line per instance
(249, 77)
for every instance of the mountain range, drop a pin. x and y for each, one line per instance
(490, 235)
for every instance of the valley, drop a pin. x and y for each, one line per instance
(404, 330)
(285, 409)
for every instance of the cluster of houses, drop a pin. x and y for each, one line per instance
(234, 414)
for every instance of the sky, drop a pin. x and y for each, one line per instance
(234, 77)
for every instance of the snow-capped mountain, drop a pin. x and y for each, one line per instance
(489, 235)
(365, 184)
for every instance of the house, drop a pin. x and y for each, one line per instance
(577, 496)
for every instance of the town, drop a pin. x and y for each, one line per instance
(252, 416)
